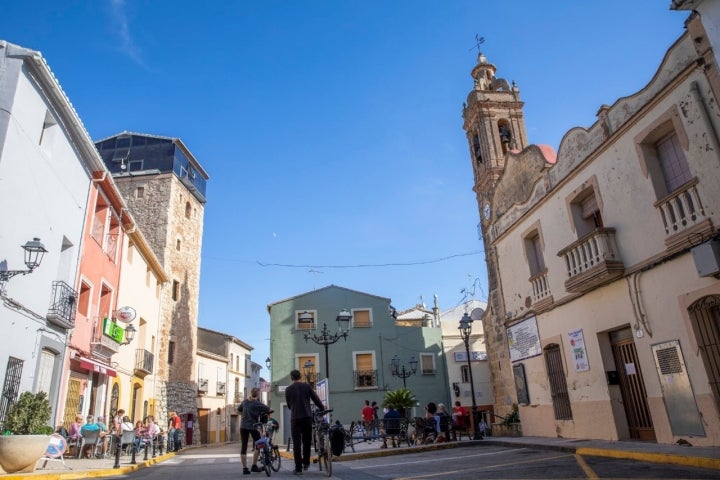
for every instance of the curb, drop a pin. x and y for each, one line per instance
(102, 472)
(710, 463)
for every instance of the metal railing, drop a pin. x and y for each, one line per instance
(144, 360)
(365, 378)
(63, 305)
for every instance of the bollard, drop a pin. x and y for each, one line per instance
(154, 442)
(162, 441)
(132, 457)
(117, 453)
(147, 447)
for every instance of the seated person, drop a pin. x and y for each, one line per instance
(139, 434)
(432, 423)
(443, 423)
(391, 421)
(126, 426)
(104, 432)
(89, 428)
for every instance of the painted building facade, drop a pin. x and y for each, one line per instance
(456, 358)
(360, 365)
(47, 163)
(142, 284)
(603, 311)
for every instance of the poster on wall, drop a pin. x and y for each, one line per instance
(577, 342)
(461, 357)
(524, 340)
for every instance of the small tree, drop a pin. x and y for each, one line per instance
(402, 399)
(30, 415)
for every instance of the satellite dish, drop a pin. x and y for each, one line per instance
(477, 313)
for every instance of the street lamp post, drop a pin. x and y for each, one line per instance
(325, 338)
(465, 331)
(399, 370)
(34, 252)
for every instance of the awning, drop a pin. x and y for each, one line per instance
(94, 366)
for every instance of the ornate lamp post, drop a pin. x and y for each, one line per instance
(268, 363)
(399, 370)
(34, 251)
(465, 331)
(325, 338)
(309, 370)
(129, 334)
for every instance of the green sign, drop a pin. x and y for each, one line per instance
(113, 330)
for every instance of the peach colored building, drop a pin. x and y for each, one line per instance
(604, 261)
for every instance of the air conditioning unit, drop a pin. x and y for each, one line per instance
(707, 258)
(221, 388)
(203, 385)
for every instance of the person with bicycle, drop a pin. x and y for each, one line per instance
(298, 396)
(251, 410)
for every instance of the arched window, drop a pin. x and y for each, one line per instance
(188, 210)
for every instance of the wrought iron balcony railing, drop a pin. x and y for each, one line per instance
(144, 361)
(365, 378)
(63, 305)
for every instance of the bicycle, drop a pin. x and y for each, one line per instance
(270, 428)
(268, 454)
(321, 440)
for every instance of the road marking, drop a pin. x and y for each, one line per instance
(585, 467)
(447, 474)
(433, 460)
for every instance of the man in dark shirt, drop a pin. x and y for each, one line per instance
(298, 396)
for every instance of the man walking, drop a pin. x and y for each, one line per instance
(298, 396)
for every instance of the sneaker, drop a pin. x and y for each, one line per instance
(297, 472)
(246, 471)
(306, 466)
(254, 468)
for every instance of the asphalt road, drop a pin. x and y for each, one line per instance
(486, 462)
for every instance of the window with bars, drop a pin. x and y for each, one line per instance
(558, 384)
(365, 374)
(11, 386)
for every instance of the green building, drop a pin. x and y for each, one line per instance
(359, 362)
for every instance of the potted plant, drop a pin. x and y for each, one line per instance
(26, 433)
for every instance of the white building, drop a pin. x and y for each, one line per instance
(46, 162)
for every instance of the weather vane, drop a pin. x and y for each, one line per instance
(478, 41)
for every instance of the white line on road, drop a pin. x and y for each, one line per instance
(433, 460)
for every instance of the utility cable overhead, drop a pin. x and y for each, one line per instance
(370, 265)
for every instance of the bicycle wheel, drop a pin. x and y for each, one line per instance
(265, 460)
(327, 455)
(275, 458)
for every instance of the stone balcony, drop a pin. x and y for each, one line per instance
(591, 261)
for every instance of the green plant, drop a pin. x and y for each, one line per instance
(402, 399)
(512, 417)
(30, 415)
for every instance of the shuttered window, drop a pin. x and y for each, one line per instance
(12, 385)
(673, 163)
(427, 363)
(361, 318)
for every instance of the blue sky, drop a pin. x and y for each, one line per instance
(332, 130)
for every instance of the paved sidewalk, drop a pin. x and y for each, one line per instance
(704, 457)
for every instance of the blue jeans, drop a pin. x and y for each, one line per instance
(176, 439)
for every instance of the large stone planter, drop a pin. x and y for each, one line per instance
(20, 453)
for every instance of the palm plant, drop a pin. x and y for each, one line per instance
(402, 399)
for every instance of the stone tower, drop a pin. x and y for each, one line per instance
(164, 187)
(494, 125)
